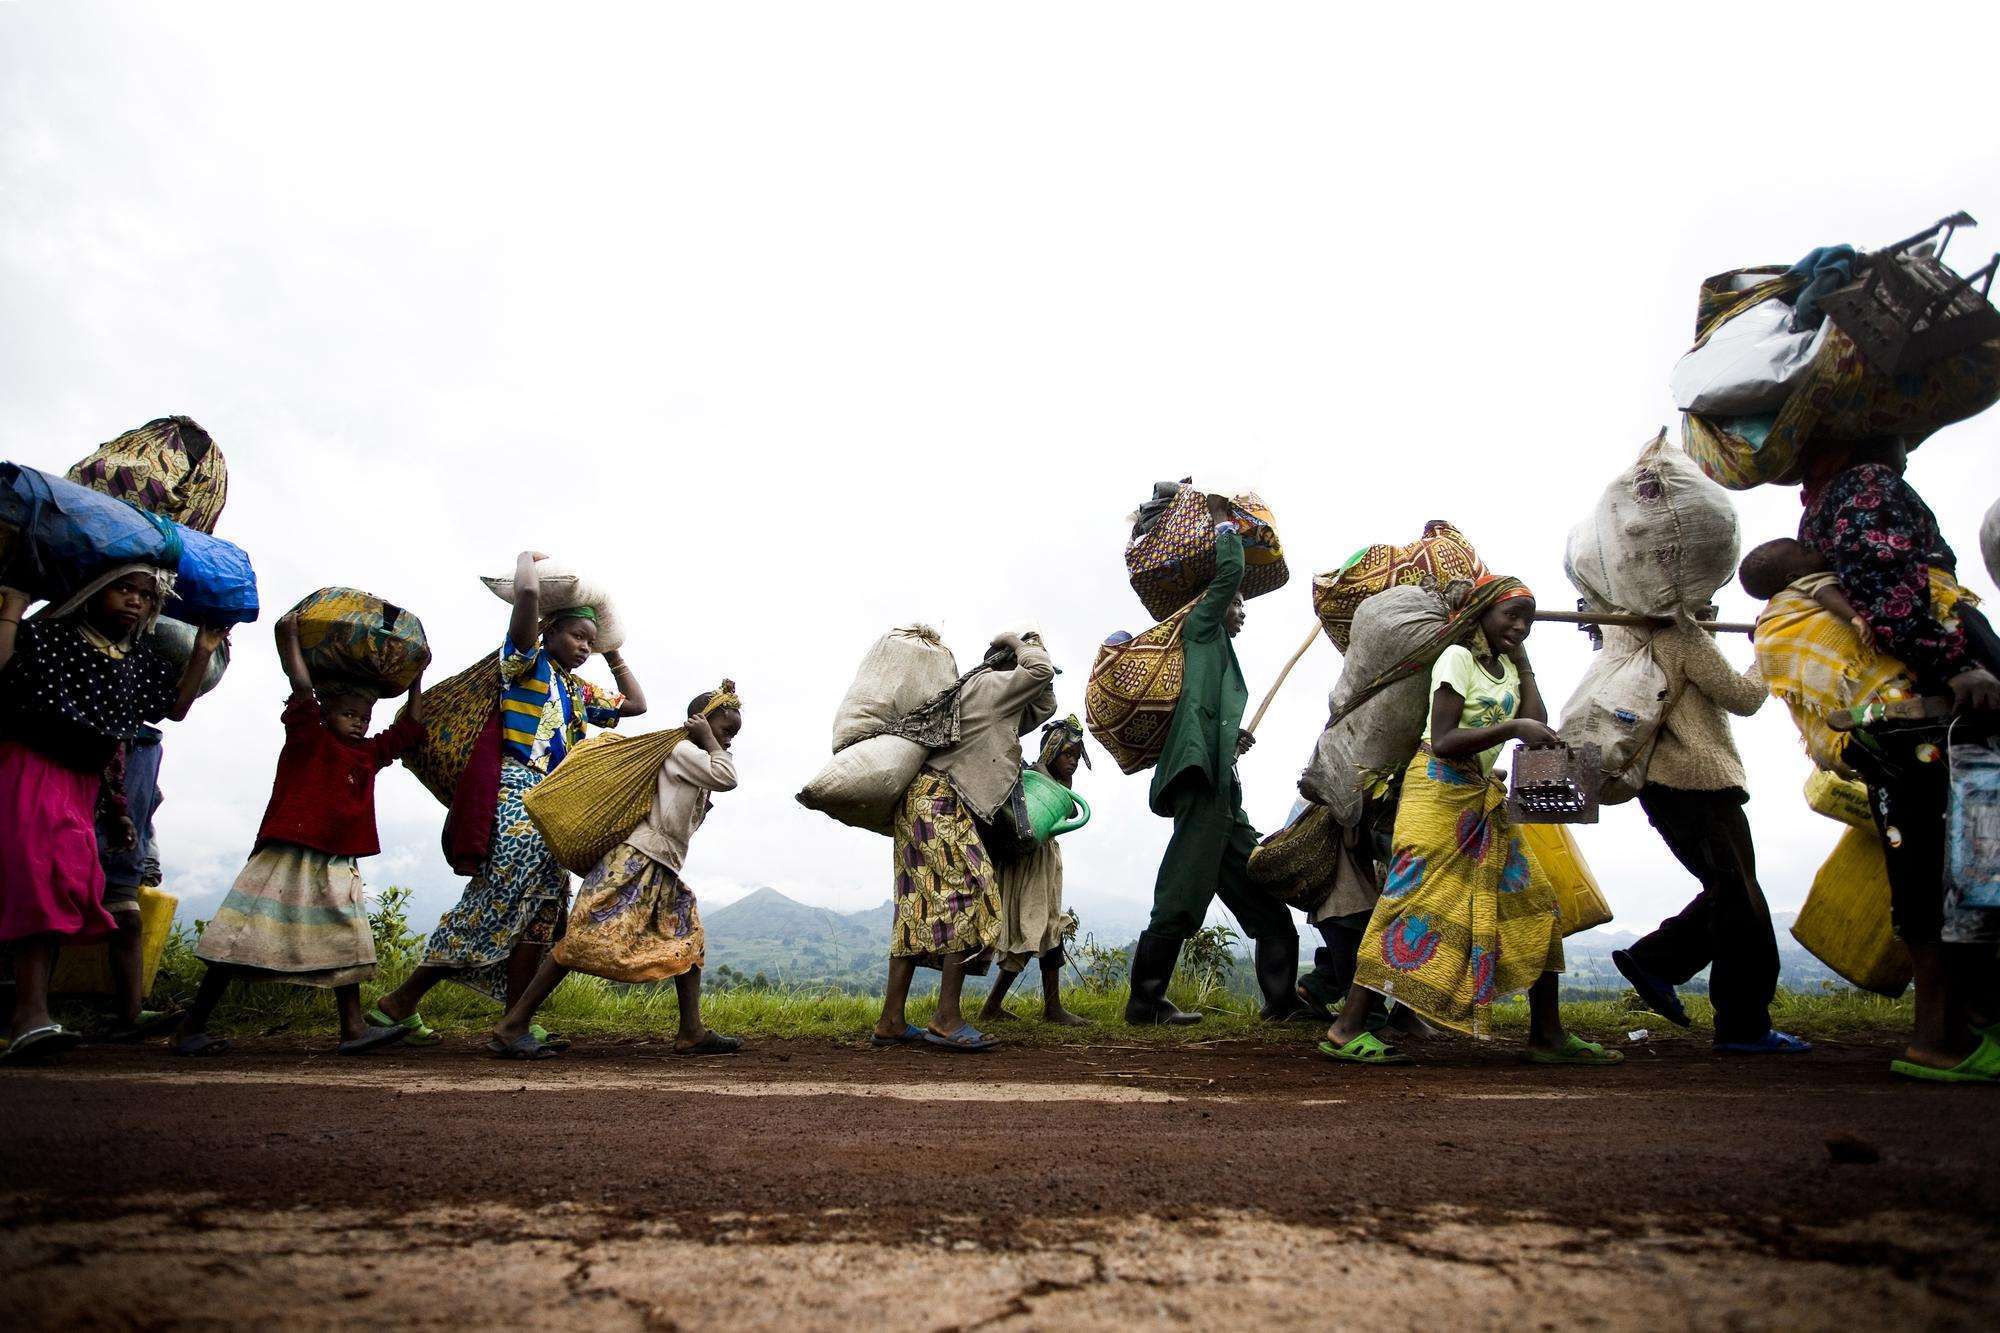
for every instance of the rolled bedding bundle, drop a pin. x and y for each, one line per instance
(351, 637)
(61, 535)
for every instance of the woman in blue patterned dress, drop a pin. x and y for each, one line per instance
(493, 940)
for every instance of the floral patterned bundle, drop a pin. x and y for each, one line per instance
(1134, 685)
(1437, 560)
(1173, 560)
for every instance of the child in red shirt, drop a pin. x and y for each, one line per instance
(296, 912)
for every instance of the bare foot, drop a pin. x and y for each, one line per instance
(1000, 1014)
(1062, 1017)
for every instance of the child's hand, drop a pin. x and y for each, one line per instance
(13, 603)
(700, 732)
(1863, 633)
(211, 637)
(124, 834)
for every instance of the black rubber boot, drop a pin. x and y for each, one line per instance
(1278, 979)
(1153, 960)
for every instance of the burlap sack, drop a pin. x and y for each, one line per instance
(1662, 539)
(1619, 706)
(903, 670)
(601, 791)
(1384, 731)
(863, 784)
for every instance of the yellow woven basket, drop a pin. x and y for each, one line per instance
(598, 794)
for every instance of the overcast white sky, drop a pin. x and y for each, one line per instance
(805, 321)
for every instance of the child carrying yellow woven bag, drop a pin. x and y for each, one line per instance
(622, 812)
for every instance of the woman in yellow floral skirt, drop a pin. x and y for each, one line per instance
(1466, 918)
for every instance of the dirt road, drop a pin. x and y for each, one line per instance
(815, 1185)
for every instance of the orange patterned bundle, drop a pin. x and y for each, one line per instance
(1134, 685)
(1171, 562)
(1438, 559)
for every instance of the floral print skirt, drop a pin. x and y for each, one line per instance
(518, 897)
(633, 921)
(1466, 918)
(947, 890)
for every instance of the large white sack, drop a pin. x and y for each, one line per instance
(1662, 539)
(905, 669)
(1748, 365)
(1617, 706)
(863, 784)
(560, 587)
(1386, 730)
(1989, 542)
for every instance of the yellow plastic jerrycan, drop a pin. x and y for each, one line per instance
(1845, 921)
(85, 969)
(1553, 849)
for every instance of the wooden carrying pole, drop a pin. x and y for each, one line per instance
(1640, 622)
(1272, 693)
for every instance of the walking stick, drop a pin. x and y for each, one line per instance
(1587, 618)
(1273, 692)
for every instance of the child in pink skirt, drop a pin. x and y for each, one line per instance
(75, 683)
(296, 913)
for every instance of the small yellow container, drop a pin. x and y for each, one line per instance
(1845, 921)
(85, 969)
(1839, 798)
(1553, 849)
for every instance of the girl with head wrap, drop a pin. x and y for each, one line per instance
(492, 941)
(1031, 907)
(635, 920)
(1466, 918)
(75, 684)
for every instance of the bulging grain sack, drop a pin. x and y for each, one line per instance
(1619, 706)
(1134, 687)
(1171, 556)
(904, 669)
(562, 587)
(1385, 730)
(1441, 560)
(1989, 542)
(1662, 539)
(862, 785)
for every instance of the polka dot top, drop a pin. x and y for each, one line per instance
(73, 702)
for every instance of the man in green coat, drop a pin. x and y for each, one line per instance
(1196, 783)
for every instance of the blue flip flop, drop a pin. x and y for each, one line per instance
(911, 1032)
(1773, 1042)
(964, 1038)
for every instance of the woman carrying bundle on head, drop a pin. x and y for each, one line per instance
(492, 941)
(1466, 918)
(296, 914)
(1031, 895)
(634, 919)
(75, 685)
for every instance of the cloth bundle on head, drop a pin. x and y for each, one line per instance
(721, 697)
(79, 601)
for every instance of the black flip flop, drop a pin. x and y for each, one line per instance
(712, 1044)
(39, 1044)
(523, 1047)
(200, 1044)
(372, 1039)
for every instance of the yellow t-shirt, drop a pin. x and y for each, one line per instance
(1489, 700)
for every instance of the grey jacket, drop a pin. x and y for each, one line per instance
(996, 709)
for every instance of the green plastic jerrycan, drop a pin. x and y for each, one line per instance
(1049, 805)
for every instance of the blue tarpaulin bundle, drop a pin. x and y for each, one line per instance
(63, 533)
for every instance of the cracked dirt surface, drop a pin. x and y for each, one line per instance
(814, 1185)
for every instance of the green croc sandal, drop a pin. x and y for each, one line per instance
(420, 1033)
(1576, 1051)
(555, 1041)
(1982, 1066)
(1366, 1049)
